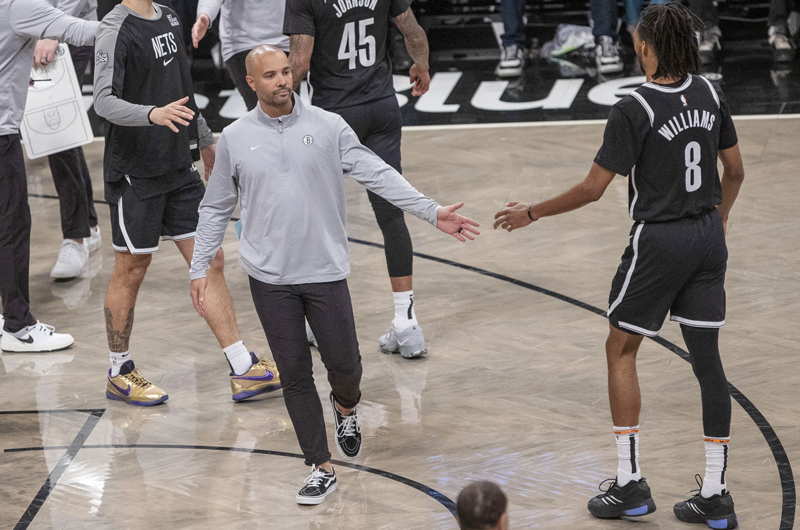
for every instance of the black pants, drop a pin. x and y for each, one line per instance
(15, 235)
(282, 310)
(779, 11)
(71, 175)
(238, 71)
(378, 125)
(707, 11)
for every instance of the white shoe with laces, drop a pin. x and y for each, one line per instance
(38, 338)
(607, 56)
(94, 240)
(71, 259)
(317, 486)
(512, 62)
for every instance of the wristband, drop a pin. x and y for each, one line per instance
(529, 213)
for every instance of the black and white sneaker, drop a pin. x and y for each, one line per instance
(631, 500)
(512, 61)
(317, 486)
(716, 511)
(607, 55)
(348, 432)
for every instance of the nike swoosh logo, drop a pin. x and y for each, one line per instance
(126, 392)
(167, 62)
(256, 147)
(29, 340)
(401, 342)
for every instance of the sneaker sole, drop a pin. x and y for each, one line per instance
(312, 501)
(33, 349)
(508, 72)
(723, 523)
(247, 394)
(115, 397)
(646, 508)
(408, 352)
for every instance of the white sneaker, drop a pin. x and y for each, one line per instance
(512, 61)
(709, 44)
(782, 46)
(71, 259)
(94, 239)
(40, 338)
(607, 56)
(409, 343)
(2, 323)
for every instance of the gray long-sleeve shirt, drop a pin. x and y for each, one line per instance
(85, 9)
(22, 23)
(289, 172)
(245, 24)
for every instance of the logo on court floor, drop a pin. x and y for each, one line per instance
(308, 139)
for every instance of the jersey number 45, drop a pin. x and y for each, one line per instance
(365, 53)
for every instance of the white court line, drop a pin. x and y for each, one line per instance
(518, 124)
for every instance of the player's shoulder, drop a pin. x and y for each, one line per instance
(113, 19)
(634, 106)
(167, 10)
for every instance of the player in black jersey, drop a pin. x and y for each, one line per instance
(341, 46)
(666, 136)
(143, 87)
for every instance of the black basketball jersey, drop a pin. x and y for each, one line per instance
(666, 138)
(349, 64)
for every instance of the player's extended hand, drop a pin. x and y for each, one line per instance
(198, 291)
(458, 226)
(514, 216)
(45, 52)
(199, 29)
(421, 79)
(209, 154)
(174, 112)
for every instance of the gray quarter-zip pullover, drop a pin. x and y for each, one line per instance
(289, 172)
(22, 23)
(246, 24)
(85, 9)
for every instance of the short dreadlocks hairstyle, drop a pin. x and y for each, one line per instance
(671, 31)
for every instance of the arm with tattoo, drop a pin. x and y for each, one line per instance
(417, 46)
(300, 49)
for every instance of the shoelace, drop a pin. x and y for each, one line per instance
(316, 477)
(699, 480)
(43, 328)
(137, 379)
(611, 483)
(609, 47)
(67, 253)
(349, 425)
(510, 52)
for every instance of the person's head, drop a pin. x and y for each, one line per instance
(666, 41)
(482, 506)
(269, 74)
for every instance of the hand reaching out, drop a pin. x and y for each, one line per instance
(174, 112)
(458, 226)
(516, 215)
(199, 29)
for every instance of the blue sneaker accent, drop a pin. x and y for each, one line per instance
(642, 510)
(719, 524)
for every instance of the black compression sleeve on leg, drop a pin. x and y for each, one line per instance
(396, 239)
(703, 345)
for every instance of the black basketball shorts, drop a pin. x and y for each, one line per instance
(676, 267)
(138, 224)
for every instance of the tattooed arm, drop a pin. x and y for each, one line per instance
(417, 46)
(300, 49)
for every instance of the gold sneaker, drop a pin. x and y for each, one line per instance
(261, 377)
(132, 388)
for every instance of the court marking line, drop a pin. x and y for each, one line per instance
(55, 475)
(788, 488)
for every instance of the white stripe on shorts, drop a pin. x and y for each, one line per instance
(637, 329)
(697, 323)
(630, 271)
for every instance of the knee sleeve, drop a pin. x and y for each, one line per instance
(703, 345)
(396, 239)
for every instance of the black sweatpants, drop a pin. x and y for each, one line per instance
(15, 235)
(71, 174)
(282, 310)
(378, 125)
(238, 72)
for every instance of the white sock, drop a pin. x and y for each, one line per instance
(404, 315)
(627, 454)
(716, 466)
(238, 357)
(117, 360)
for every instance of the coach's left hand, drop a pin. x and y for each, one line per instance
(458, 226)
(421, 79)
(209, 155)
(514, 216)
(198, 291)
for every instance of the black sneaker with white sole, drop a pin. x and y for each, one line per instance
(317, 486)
(716, 511)
(631, 500)
(348, 432)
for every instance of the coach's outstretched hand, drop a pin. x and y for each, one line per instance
(458, 226)
(198, 291)
(199, 29)
(174, 112)
(516, 215)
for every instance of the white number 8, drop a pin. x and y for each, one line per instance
(694, 174)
